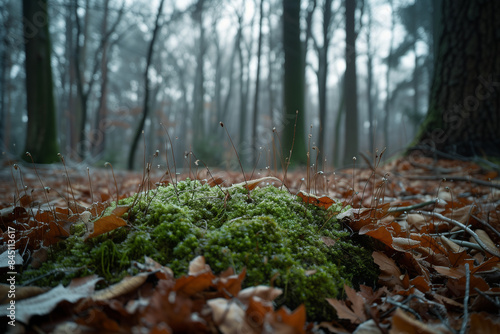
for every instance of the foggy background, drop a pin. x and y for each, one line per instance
(203, 70)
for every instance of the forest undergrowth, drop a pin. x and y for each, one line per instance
(434, 225)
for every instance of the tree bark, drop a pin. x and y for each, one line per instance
(464, 108)
(293, 103)
(350, 90)
(41, 132)
(257, 87)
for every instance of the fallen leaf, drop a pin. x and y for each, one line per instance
(402, 322)
(290, 322)
(229, 316)
(328, 241)
(390, 273)
(264, 292)
(105, 224)
(323, 201)
(44, 303)
(198, 266)
(481, 323)
(126, 285)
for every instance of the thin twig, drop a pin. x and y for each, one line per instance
(484, 246)
(455, 178)
(486, 224)
(411, 207)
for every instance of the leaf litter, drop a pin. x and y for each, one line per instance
(437, 224)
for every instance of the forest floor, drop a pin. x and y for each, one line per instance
(437, 223)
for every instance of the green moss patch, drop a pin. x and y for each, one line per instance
(281, 241)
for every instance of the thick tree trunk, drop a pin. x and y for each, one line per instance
(293, 85)
(464, 116)
(350, 90)
(255, 115)
(41, 133)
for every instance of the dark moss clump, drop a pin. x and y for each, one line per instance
(301, 248)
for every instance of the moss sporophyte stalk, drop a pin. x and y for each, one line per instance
(301, 248)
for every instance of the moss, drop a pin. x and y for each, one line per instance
(274, 235)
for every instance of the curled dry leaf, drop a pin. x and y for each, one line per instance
(126, 285)
(198, 266)
(355, 312)
(485, 238)
(323, 201)
(402, 322)
(266, 293)
(229, 316)
(289, 322)
(22, 292)
(389, 271)
(250, 185)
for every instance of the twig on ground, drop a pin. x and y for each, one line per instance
(487, 225)
(456, 178)
(485, 247)
(412, 207)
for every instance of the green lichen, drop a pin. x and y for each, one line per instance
(279, 239)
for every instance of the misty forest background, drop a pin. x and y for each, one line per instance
(119, 67)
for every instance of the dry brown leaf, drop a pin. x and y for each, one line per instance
(120, 210)
(343, 311)
(404, 244)
(231, 284)
(328, 241)
(22, 292)
(191, 285)
(250, 185)
(266, 293)
(323, 201)
(229, 316)
(485, 238)
(198, 266)
(389, 271)
(290, 322)
(126, 285)
(44, 303)
(404, 323)
(106, 224)
(481, 323)
(450, 245)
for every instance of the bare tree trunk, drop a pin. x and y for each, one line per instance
(41, 134)
(369, 88)
(293, 91)
(145, 109)
(387, 106)
(198, 118)
(350, 90)
(237, 40)
(257, 87)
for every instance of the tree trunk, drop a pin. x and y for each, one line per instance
(369, 84)
(198, 119)
(293, 103)
(145, 109)
(257, 87)
(41, 133)
(464, 107)
(387, 105)
(350, 90)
